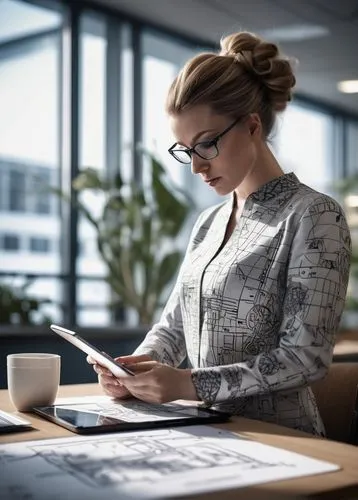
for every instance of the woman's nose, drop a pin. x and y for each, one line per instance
(198, 164)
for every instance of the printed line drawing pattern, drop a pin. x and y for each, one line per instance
(135, 410)
(158, 458)
(147, 464)
(140, 457)
(255, 305)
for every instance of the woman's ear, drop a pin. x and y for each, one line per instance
(254, 124)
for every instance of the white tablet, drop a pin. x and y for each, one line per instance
(102, 358)
(10, 423)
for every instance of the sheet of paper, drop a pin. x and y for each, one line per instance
(144, 465)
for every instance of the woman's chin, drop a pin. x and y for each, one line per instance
(222, 189)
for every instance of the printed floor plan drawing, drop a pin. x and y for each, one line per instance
(145, 464)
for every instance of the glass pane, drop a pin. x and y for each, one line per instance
(33, 300)
(126, 104)
(101, 147)
(162, 58)
(93, 91)
(93, 49)
(352, 152)
(10, 242)
(351, 207)
(17, 191)
(304, 145)
(95, 300)
(29, 142)
(24, 19)
(100, 41)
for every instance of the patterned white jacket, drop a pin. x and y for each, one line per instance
(257, 321)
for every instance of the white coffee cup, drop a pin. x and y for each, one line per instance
(33, 379)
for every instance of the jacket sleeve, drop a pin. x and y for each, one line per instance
(314, 297)
(165, 342)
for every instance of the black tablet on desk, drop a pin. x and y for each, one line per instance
(126, 415)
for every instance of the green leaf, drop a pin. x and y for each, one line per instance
(172, 211)
(86, 213)
(346, 185)
(135, 225)
(118, 181)
(87, 179)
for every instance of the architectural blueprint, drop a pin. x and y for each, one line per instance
(144, 465)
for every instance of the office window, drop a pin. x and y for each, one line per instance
(17, 191)
(351, 200)
(4, 187)
(304, 145)
(39, 245)
(126, 102)
(352, 148)
(32, 100)
(93, 78)
(41, 201)
(164, 57)
(30, 50)
(10, 242)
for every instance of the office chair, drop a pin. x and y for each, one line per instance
(337, 400)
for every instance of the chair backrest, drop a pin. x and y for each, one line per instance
(337, 401)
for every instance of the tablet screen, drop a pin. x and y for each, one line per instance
(118, 369)
(9, 422)
(79, 418)
(4, 422)
(126, 415)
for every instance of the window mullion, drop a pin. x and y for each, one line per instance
(70, 159)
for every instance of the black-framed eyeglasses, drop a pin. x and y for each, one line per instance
(207, 150)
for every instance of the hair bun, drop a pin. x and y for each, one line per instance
(264, 62)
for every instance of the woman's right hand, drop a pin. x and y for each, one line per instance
(109, 383)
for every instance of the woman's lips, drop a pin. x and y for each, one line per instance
(213, 182)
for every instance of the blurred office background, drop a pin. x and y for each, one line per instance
(80, 82)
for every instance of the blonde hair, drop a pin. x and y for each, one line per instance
(249, 75)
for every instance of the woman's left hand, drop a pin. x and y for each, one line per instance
(155, 382)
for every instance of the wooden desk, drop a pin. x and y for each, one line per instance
(336, 485)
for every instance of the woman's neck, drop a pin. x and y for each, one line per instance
(265, 169)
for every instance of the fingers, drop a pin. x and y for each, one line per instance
(144, 366)
(101, 370)
(105, 377)
(107, 380)
(124, 359)
(125, 387)
(133, 359)
(110, 385)
(140, 382)
(118, 391)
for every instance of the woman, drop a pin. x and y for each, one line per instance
(262, 287)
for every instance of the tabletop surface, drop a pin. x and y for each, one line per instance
(336, 485)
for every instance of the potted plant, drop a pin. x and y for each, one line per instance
(136, 231)
(18, 307)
